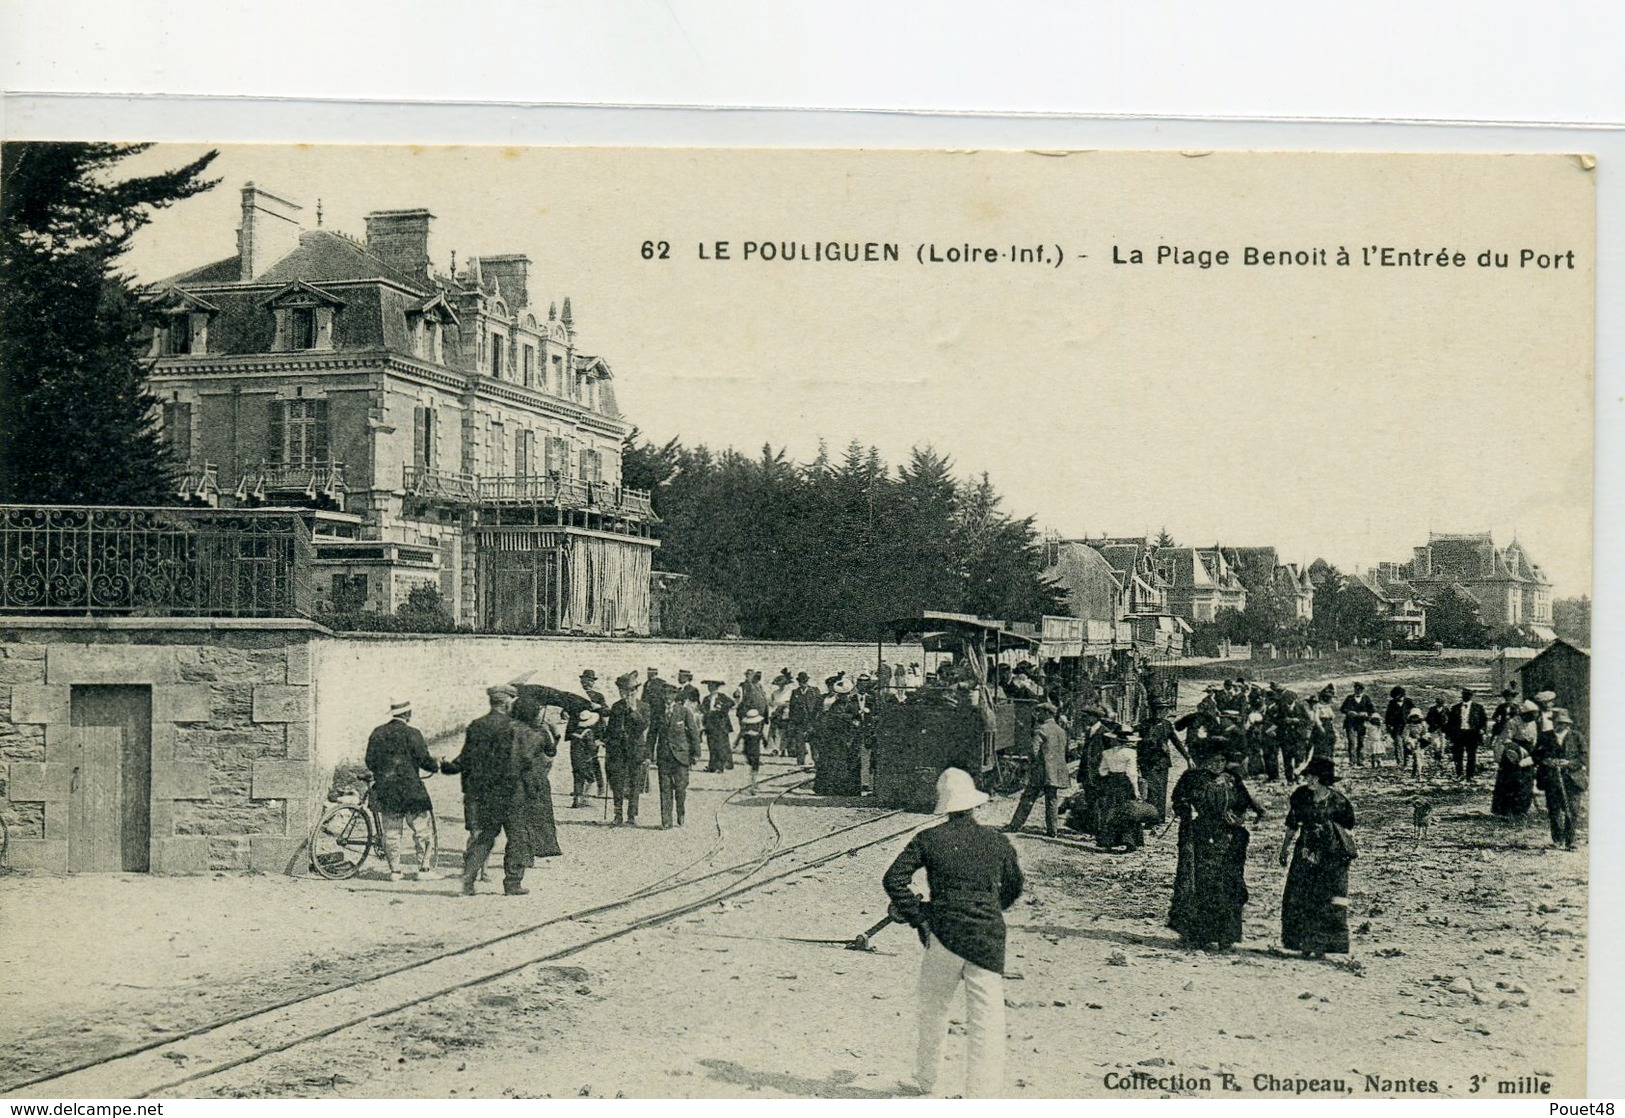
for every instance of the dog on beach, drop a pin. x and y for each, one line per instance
(1421, 816)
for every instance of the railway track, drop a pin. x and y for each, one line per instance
(208, 1050)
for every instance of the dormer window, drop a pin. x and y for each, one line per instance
(427, 329)
(181, 335)
(304, 318)
(183, 329)
(302, 328)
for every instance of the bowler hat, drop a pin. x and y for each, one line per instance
(590, 675)
(956, 791)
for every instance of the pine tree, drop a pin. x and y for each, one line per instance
(79, 423)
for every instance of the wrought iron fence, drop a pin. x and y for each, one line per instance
(154, 561)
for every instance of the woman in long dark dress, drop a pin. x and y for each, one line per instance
(1515, 773)
(534, 750)
(1315, 907)
(1210, 885)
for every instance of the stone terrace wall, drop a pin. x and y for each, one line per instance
(445, 676)
(233, 780)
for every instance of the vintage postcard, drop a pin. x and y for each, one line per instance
(561, 622)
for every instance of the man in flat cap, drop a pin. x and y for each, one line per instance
(494, 780)
(625, 748)
(395, 753)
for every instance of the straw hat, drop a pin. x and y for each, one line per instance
(751, 717)
(587, 720)
(843, 686)
(400, 707)
(956, 791)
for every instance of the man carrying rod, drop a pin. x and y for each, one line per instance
(973, 877)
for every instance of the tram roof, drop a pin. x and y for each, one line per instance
(940, 631)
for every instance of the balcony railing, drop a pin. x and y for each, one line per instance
(154, 561)
(510, 490)
(315, 479)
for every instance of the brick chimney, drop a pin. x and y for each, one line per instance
(513, 274)
(269, 231)
(400, 238)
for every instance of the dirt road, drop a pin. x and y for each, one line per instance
(1468, 969)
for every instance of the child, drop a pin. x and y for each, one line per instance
(584, 757)
(751, 725)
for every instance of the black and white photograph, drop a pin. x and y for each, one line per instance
(659, 623)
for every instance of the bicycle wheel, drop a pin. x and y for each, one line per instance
(341, 842)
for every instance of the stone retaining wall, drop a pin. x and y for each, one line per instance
(233, 779)
(249, 718)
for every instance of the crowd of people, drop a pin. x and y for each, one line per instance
(507, 758)
(1238, 732)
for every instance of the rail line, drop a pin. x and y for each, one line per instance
(743, 872)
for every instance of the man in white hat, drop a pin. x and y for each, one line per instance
(396, 752)
(973, 875)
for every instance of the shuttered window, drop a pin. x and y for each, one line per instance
(423, 438)
(299, 432)
(557, 455)
(178, 430)
(592, 465)
(524, 453)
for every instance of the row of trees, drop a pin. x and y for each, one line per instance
(788, 550)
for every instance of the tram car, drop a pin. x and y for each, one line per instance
(956, 718)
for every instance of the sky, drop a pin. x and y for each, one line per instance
(1329, 411)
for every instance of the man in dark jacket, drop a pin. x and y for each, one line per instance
(1358, 712)
(1464, 728)
(676, 753)
(973, 875)
(495, 781)
(805, 705)
(395, 753)
(1158, 743)
(1394, 719)
(625, 748)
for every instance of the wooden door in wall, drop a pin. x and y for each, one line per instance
(110, 801)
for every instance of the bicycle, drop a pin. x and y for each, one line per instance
(347, 834)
